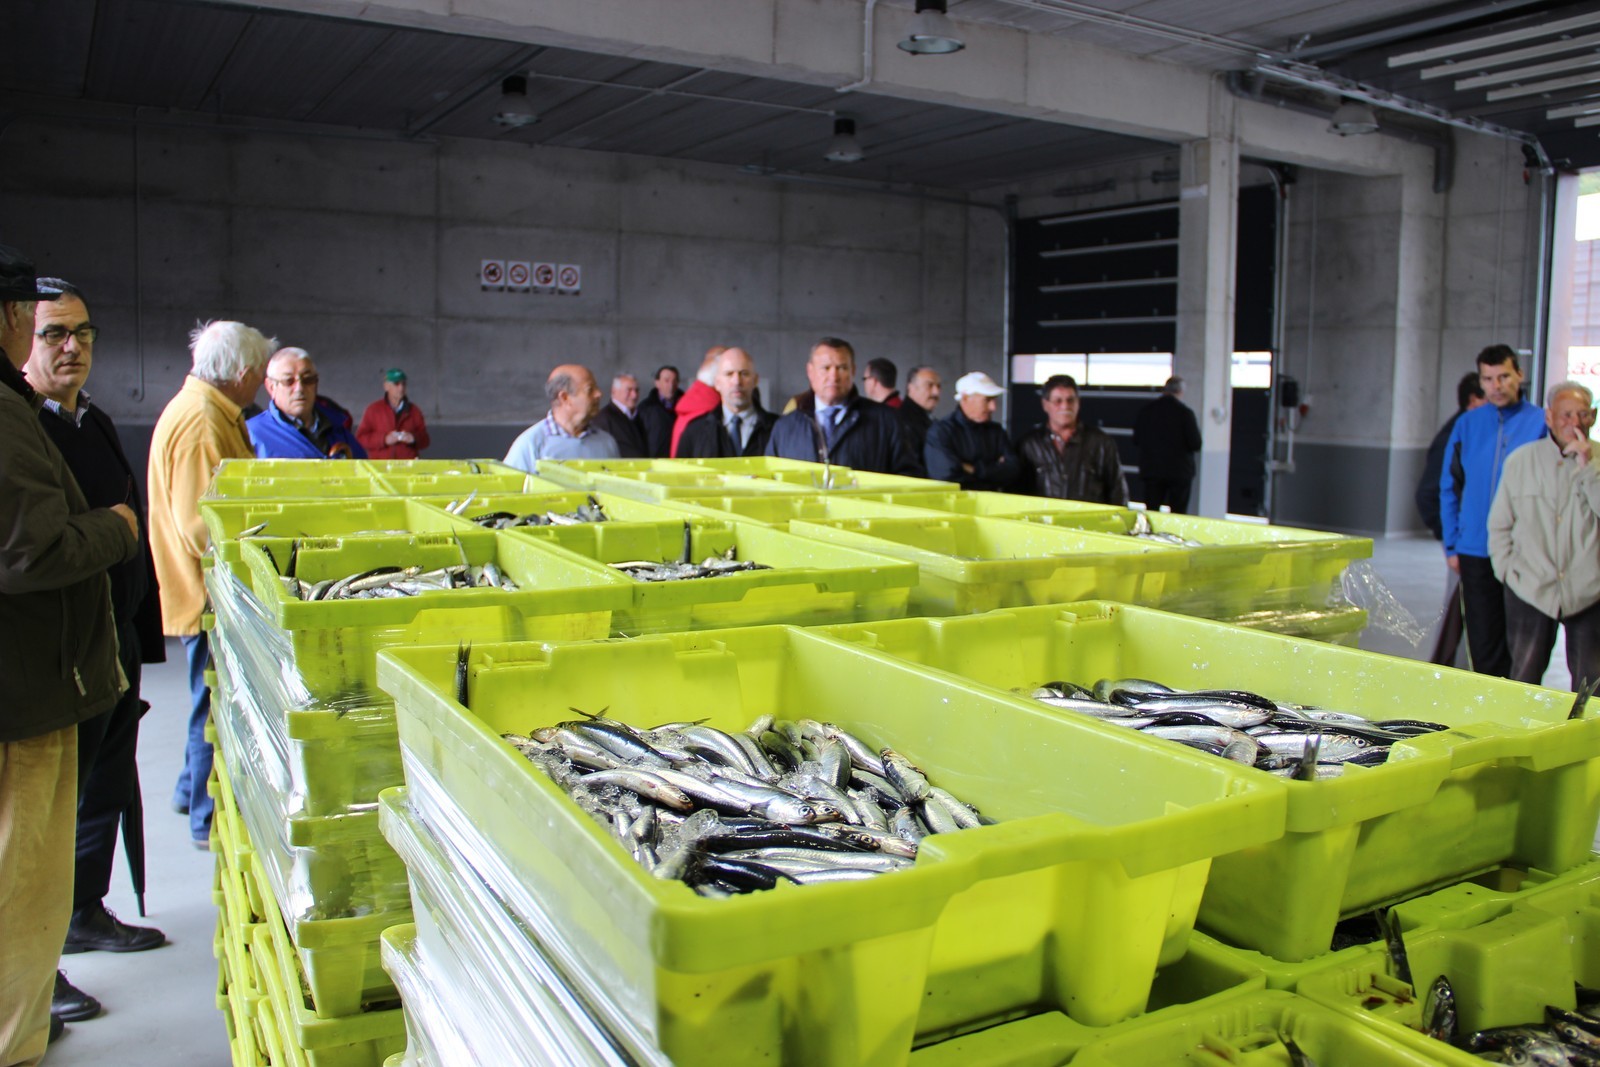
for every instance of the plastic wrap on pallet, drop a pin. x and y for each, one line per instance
(494, 971)
(319, 757)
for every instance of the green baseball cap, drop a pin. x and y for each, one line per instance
(394, 374)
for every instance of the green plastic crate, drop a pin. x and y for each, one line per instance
(436, 466)
(1245, 1032)
(1335, 625)
(1070, 902)
(820, 477)
(429, 483)
(685, 482)
(364, 1039)
(779, 509)
(565, 499)
(971, 564)
(1238, 567)
(807, 581)
(579, 473)
(1513, 782)
(560, 598)
(226, 519)
(985, 504)
(1506, 951)
(284, 479)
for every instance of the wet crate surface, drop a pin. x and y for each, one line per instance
(1071, 902)
(971, 565)
(1512, 781)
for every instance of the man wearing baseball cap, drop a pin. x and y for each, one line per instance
(393, 427)
(58, 667)
(968, 448)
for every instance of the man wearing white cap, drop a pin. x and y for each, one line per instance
(1067, 457)
(968, 448)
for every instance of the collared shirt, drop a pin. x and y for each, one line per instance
(74, 416)
(747, 424)
(546, 439)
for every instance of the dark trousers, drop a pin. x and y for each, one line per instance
(1173, 492)
(191, 789)
(1485, 601)
(108, 780)
(1531, 634)
(1450, 626)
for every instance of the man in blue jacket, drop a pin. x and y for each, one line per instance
(837, 424)
(1476, 453)
(297, 424)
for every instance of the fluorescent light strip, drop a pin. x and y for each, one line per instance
(1535, 88)
(1523, 73)
(1493, 40)
(1586, 107)
(1516, 55)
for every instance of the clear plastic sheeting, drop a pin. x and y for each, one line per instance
(488, 976)
(502, 962)
(1366, 589)
(319, 757)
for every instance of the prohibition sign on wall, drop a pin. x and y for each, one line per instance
(570, 278)
(517, 275)
(544, 275)
(492, 273)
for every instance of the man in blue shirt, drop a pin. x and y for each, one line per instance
(1476, 454)
(297, 423)
(566, 432)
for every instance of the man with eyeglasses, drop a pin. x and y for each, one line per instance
(296, 424)
(58, 668)
(201, 426)
(108, 776)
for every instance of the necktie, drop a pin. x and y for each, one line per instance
(830, 422)
(736, 431)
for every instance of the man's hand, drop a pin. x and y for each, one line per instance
(1576, 444)
(392, 437)
(1454, 563)
(968, 468)
(128, 517)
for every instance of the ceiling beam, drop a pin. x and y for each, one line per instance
(1493, 40)
(1515, 55)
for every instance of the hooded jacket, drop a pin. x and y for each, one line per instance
(1486, 436)
(58, 662)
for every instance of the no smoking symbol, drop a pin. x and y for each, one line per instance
(544, 275)
(518, 274)
(491, 273)
(569, 277)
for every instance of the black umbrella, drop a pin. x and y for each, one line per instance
(133, 831)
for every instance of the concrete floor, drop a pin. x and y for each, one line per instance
(159, 1004)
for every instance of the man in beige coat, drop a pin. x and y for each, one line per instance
(1544, 541)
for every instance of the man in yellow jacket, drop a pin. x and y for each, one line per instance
(1544, 541)
(202, 426)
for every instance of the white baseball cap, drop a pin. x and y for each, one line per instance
(977, 382)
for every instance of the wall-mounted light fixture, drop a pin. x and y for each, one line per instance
(931, 32)
(1353, 118)
(515, 111)
(843, 146)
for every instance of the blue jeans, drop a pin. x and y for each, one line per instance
(191, 790)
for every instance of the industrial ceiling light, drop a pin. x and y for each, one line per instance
(932, 33)
(515, 111)
(1352, 118)
(843, 146)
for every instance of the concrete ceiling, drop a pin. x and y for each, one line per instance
(247, 63)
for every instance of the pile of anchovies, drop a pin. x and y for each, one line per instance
(729, 813)
(1290, 740)
(1564, 1039)
(712, 566)
(1143, 530)
(505, 520)
(385, 582)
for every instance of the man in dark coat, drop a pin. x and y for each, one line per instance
(1469, 395)
(923, 386)
(712, 435)
(969, 448)
(1167, 436)
(658, 412)
(58, 668)
(108, 776)
(620, 418)
(839, 425)
(1068, 458)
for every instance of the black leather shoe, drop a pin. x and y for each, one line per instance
(93, 928)
(70, 1004)
(57, 1028)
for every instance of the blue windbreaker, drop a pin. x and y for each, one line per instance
(274, 437)
(1485, 436)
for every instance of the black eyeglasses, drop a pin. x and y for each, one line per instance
(57, 335)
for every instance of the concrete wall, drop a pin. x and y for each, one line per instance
(366, 253)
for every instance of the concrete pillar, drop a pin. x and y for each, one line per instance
(1208, 216)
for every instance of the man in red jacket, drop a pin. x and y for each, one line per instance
(393, 428)
(701, 397)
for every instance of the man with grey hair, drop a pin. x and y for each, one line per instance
(620, 418)
(201, 426)
(299, 424)
(1167, 436)
(567, 431)
(1544, 541)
